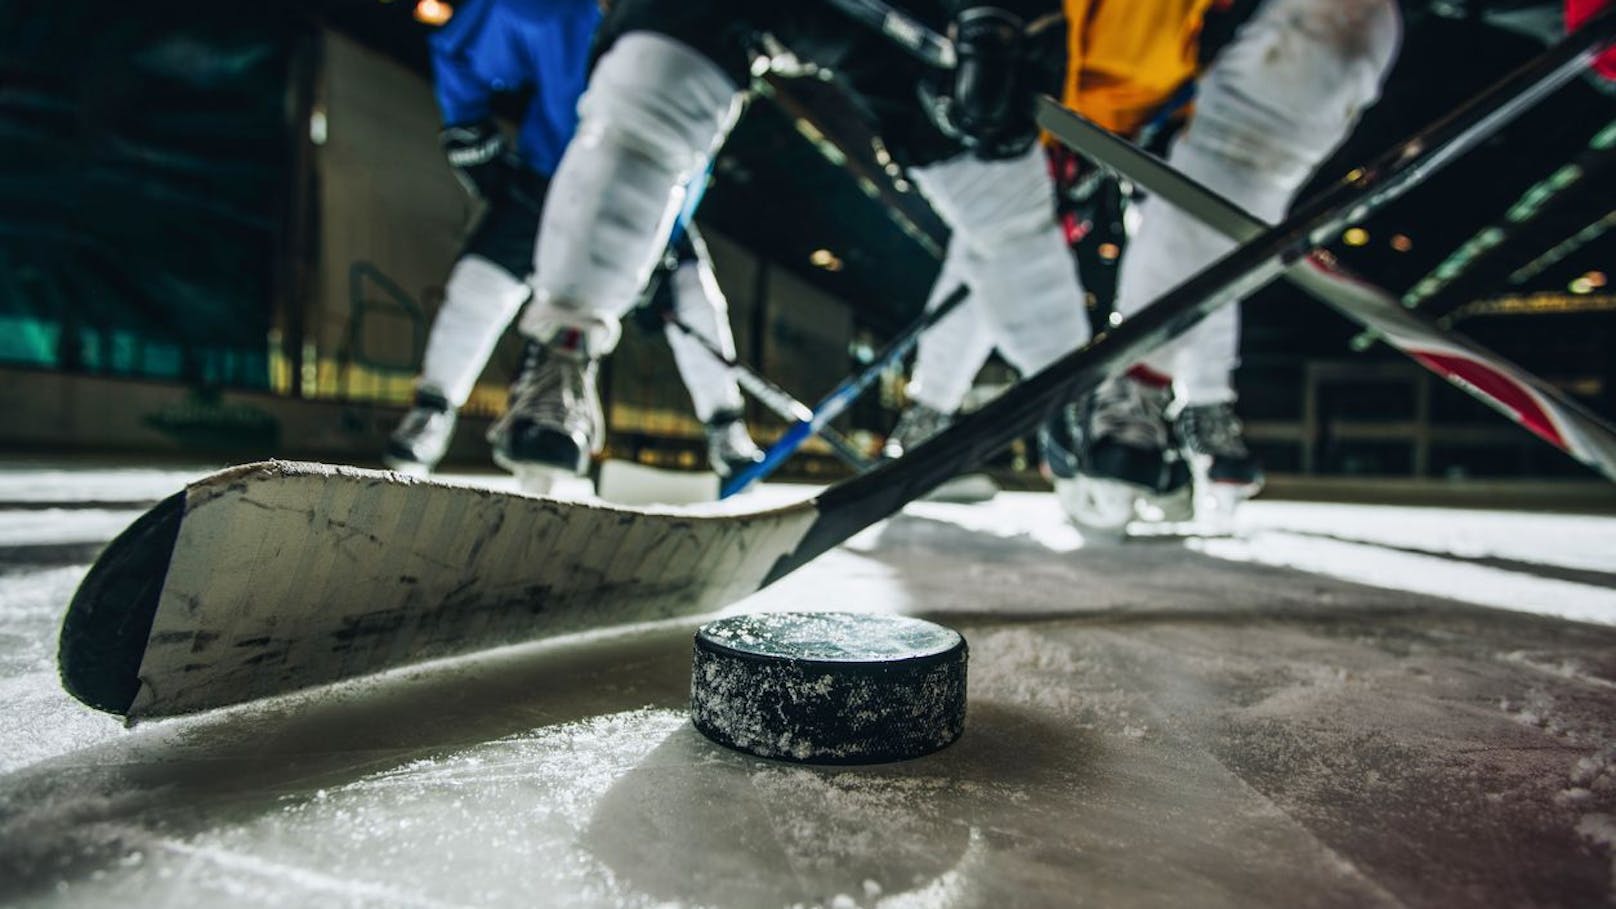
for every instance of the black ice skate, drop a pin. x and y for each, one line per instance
(730, 448)
(422, 437)
(1112, 459)
(553, 423)
(1226, 472)
(917, 424)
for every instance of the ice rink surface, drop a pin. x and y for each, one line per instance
(1335, 705)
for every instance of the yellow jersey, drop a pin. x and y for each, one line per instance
(1125, 58)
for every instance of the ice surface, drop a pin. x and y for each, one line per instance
(1162, 723)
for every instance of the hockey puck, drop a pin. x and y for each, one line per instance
(829, 687)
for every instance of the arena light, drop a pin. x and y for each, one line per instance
(433, 12)
(824, 258)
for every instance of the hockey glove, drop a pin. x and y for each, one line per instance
(985, 107)
(1003, 65)
(480, 157)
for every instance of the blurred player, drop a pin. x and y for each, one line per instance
(540, 47)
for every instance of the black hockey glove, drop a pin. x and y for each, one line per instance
(480, 157)
(984, 105)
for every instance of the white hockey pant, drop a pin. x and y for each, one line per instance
(952, 352)
(1271, 109)
(651, 118)
(699, 303)
(479, 301)
(1025, 297)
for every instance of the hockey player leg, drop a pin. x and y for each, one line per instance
(714, 393)
(1208, 430)
(1011, 253)
(1018, 265)
(1272, 107)
(654, 110)
(1111, 458)
(947, 358)
(480, 300)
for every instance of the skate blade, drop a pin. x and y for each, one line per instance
(629, 483)
(1174, 507)
(408, 468)
(534, 479)
(968, 489)
(1104, 507)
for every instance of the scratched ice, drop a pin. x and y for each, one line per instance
(1339, 705)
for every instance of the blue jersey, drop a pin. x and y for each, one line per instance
(494, 46)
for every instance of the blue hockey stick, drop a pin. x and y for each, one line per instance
(842, 397)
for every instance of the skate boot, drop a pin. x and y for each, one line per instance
(553, 423)
(1112, 460)
(422, 437)
(917, 424)
(1226, 472)
(730, 448)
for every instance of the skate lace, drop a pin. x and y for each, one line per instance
(917, 424)
(731, 440)
(1130, 412)
(1213, 429)
(416, 422)
(552, 389)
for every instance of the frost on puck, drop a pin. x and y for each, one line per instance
(829, 687)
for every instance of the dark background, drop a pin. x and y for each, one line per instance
(145, 214)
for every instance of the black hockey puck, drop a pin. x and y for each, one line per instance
(829, 687)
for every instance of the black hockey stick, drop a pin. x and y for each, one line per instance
(903, 29)
(850, 506)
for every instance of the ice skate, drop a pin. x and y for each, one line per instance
(1226, 472)
(730, 448)
(553, 423)
(1112, 461)
(422, 437)
(916, 424)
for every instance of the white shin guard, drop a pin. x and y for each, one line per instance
(700, 304)
(1010, 251)
(1272, 107)
(952, 352)
(654, 111)
(479, 301)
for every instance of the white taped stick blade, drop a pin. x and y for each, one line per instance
(628, 483)
(829, 687)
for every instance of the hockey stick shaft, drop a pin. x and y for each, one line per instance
(843, 395)
(1539, 407)
(903, 29)
(773, 396)
(850, 506)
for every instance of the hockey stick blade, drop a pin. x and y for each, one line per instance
(272, 577)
